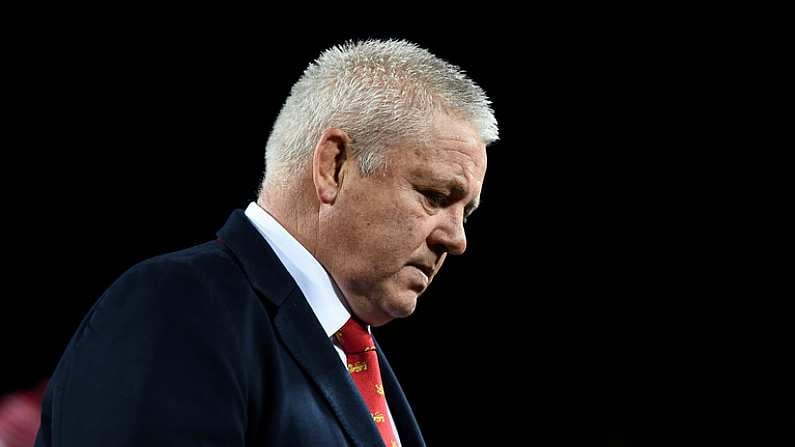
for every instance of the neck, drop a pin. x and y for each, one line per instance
(290, 208)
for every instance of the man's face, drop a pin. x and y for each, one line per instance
(388, 234)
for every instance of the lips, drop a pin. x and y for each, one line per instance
(428, 270)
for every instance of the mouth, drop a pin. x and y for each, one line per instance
(427, 270)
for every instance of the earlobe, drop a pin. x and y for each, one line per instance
(328, 162)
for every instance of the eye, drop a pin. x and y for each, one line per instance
(435, 198)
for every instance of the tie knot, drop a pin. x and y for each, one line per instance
(354, 338)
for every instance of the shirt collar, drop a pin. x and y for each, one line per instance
(322, 294)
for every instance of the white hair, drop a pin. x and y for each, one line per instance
(379, 93)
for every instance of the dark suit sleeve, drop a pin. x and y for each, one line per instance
(156, 363)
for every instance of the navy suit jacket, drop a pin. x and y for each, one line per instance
(211, 346)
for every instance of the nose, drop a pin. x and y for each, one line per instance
(449, 235)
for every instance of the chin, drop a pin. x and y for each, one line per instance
(401, 306)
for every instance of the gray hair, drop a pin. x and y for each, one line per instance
(379, 92)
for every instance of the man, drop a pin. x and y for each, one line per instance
(262, 337)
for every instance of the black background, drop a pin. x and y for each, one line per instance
(609, 295)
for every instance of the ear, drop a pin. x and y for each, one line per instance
(331, 153)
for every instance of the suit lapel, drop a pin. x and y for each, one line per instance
(299, 329)
(402, 415)
(309, 346)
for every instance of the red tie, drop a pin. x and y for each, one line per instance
(363, 366)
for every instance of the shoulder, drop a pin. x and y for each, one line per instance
(202, 284)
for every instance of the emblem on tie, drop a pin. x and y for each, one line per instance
(357, 367)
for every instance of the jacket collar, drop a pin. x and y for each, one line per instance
(298, 328)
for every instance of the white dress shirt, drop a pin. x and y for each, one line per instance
(323, 296)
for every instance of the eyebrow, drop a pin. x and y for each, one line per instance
(471, 207)
(457, 188)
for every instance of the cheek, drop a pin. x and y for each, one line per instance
(392, 241)
(396, 217)
(384, 231)
(407, 223)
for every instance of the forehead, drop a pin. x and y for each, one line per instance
(454, 148)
